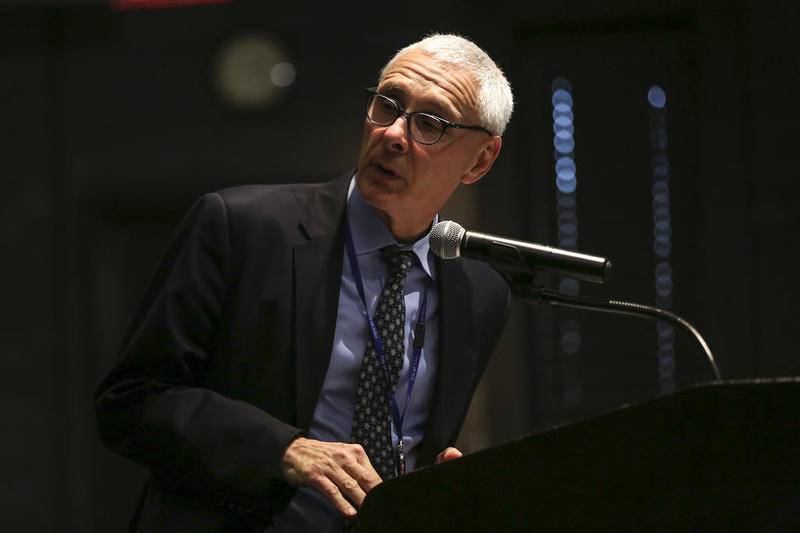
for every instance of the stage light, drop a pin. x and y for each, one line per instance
(565, 167)
(567, 216)
(566, 174)
(657, 97)
(282, 74)
(567, 185)
(662, 248)
(562, 96)
(564, 142)
(251, 71)
(660, 190)
(565, 202)
(662, 218)
(662, 234)
(563, 121)
(663, 270)
(571, 342)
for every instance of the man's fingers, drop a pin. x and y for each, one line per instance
(348, 486)
(361, 455)
(341, 472)
(448, 454)
(334, 495)
(364, 474)
(362, 470)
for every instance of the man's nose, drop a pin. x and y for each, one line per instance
(396, 135)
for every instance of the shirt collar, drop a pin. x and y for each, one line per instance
(371, 234)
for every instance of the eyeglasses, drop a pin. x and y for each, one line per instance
(424, 127)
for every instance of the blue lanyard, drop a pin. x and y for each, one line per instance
(419, 340)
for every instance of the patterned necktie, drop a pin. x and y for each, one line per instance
(372, 420)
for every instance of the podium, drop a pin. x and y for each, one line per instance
(715, 457)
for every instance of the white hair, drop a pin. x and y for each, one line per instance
(495, 101)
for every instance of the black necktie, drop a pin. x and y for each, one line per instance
(372, 420)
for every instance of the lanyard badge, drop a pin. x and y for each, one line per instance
(419, 339)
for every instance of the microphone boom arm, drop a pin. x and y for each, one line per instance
(535, 294)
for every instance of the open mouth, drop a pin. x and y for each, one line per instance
(386, 172)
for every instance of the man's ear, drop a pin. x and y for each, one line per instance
(483, 163)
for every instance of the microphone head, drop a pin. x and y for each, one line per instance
(445, 239)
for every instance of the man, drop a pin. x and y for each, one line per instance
(283, 344)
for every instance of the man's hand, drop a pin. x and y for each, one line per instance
(448, 454)
(339, 471)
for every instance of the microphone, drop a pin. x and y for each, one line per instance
(449, 240)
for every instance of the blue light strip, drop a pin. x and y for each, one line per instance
(566, 203)
(662, 235)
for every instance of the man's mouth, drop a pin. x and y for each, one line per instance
(387, 172)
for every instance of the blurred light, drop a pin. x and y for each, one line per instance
(567, 186)
(666, 333)
(659, 159)
(657, 97)
(662, 248)
(664, 302)
(569, 128)
(664, 287)
(561, 83)
(251, 71)
(658, 138)
(568, 242)
(660, 187)
(571, 342)
(566, 173)
(565, 164)
(562, 109)
(561, 96)
(567, 216)
(666, 367)
(282, 74)
(660, 200)
(566, 202)
(563, 121)
(661, 214)
(663, 269)
(564, 144)
(568, 229)
(569, 286)
(666, 343)
(662, 235)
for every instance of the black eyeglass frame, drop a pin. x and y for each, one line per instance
(373, 92)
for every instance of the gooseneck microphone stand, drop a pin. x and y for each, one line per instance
(524, 287)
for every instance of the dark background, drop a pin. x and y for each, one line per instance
(110, 130)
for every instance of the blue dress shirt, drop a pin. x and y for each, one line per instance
(333, 415)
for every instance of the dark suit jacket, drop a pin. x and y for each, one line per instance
(225, 359)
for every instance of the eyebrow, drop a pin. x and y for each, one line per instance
(428, 106)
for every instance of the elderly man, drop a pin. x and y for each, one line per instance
(299, 344)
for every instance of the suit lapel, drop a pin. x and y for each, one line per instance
(317, 275)
(318, 270)
(458, 355)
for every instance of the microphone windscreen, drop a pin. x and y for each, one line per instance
(445, 239)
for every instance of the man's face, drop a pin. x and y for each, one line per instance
(408, 181)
